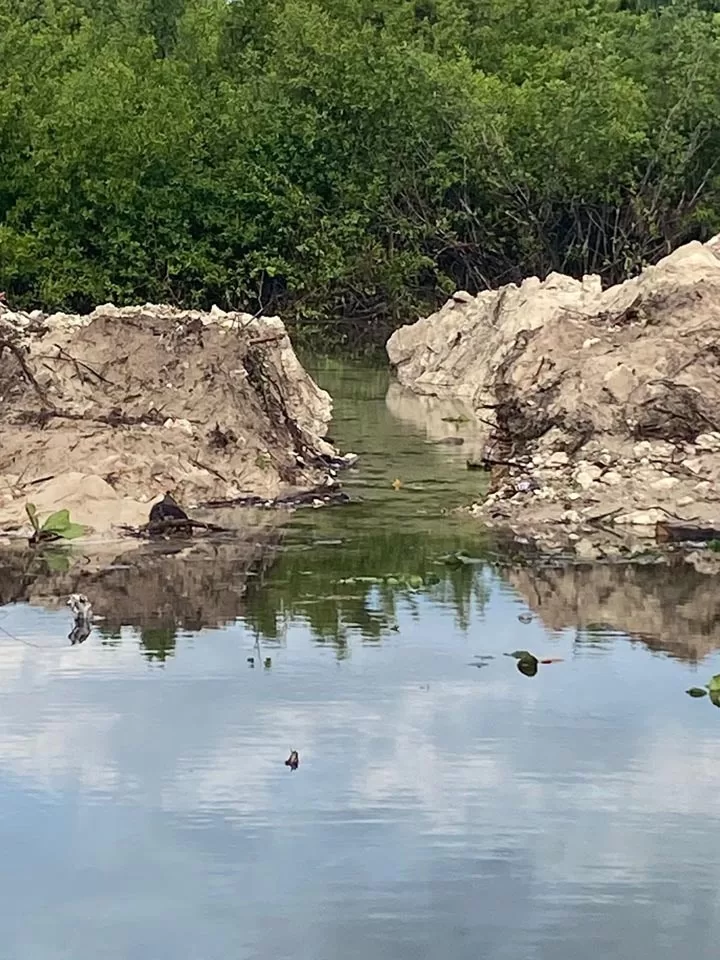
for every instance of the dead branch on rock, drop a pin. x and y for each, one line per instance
(676, 414)
(116, 418)
(64, 355)
(27, 372)
(172, 527)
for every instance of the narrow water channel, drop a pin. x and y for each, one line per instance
(445, 804)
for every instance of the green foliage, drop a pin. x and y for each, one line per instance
(347, 162)
(57, 526)
(713, 690)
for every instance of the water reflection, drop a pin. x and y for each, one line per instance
(436, 809)
(439, 419)
(358, 588)
(670, 608)
(160, 589)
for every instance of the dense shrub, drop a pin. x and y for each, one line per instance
(347, 161)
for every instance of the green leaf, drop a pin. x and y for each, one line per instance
(31, 511)
(72, 531)
(696, 692)
(57, 522)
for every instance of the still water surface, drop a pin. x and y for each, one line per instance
(440, 810)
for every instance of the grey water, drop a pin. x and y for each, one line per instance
(445, 805)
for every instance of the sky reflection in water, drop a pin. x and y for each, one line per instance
(438, 810)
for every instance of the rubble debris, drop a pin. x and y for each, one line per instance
(599, 408)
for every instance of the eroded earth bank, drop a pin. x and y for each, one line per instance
(597, 408)
(103, 413)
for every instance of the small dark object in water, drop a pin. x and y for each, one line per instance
(479, 664)
(525, 617)
(528, 665)
(293, 761)
(251, 661)
(167, 509)
(449, 441)
(477, 465)
(267, 663)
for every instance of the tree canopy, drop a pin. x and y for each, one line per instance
(348, 160)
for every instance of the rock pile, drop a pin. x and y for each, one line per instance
(103, 413)
(598, 406)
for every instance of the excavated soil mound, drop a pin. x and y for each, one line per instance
(597, 405)
(103, 413)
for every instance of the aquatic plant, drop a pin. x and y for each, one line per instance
(58, 526)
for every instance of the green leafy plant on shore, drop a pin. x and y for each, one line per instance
(58, 526)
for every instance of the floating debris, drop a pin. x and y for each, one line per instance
(711, 689)
(80, 606)
(525, 617)
(397, 483)
(267, 663)
(293, 761)
(83, 618)
(459, 559)
(414, 581)
(251, 661)
(527, 662)
(528, 665)
(318, 496)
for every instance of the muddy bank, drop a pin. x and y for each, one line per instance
(598, 407)
(103, 413)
